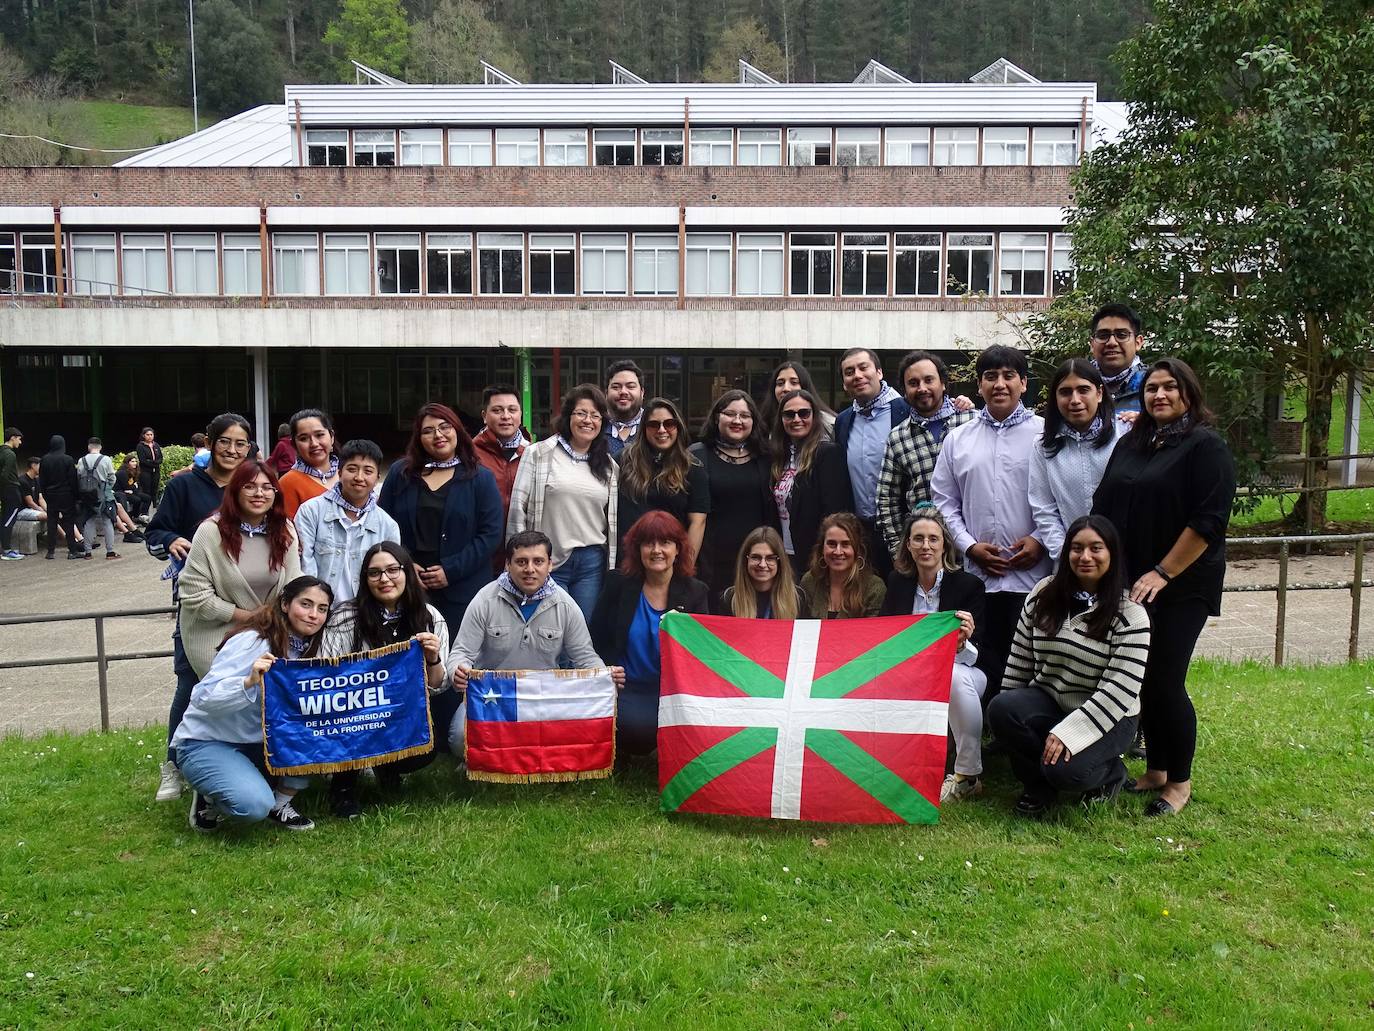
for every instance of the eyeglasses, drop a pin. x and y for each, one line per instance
(661, 424)
(797, 415)
(230, 444)
(1103, 335)
(763, 560)
(389, 572)
(587, 416)
(430, 431)
(265, 489)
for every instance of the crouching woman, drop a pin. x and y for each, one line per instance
(1070, 698)
(218, 744)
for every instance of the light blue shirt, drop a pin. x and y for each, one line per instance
(222, 707)
(864, 452)
(1061, 488)
(333, 546)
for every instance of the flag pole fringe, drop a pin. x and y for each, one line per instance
(554, 777)
(560, 674)
(344, 765)
(366, 653)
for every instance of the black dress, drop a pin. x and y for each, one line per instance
(695, 498)
(741, 501)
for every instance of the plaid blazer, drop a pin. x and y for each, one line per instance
(527, 495)
(905, 478)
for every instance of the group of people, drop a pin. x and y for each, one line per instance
(74, 499)
(1082, 552)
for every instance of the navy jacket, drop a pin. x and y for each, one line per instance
(472, 530)
(188, 499)
(897, 412)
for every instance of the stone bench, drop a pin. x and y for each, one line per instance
(25, 537)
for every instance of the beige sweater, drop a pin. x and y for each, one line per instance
(211, 587)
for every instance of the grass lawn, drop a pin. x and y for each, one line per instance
(494, 906)
(109, 124)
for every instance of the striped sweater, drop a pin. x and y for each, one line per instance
(1096, 683)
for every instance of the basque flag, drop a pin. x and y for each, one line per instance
(540, 725)
(841, 720)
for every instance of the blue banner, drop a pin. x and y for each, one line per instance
(327, 715)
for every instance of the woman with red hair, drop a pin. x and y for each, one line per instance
(241, 556)
(448, 508)
(655, 575)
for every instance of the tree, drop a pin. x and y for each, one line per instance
(1236, 211)
(235, 63)
(749, 40)
(373, 32)
(450, 44)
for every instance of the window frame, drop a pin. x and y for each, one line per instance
(549, 247)
(502, 244)
(575, 140)
(232, 243)
(801, 137)
(375, 144)
(196, 251)
(9, 245)
(909, 137)
(423, 140)
(860, 139)
(1062, 279)
(953, 245)
(471, 140)
(143, 261)
(308, 254)
(750, 250)
(795, 249)
(713, 251)
(45, 246)
(91, 247)
(1055, 145)
(350, 245)
(521, 142)
(1004, 142)
(954, 146)
(395, 244)
(669, 247)
(1013, 248)
(448, 245)
(751, 139)
(870, 249)
(661, 139)
(337, 138)
(918, 248)
(596, 247)
(616, 146)
(710, 143)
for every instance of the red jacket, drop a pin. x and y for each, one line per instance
(492, 457)
(283, 456)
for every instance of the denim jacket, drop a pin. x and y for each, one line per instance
(333, 546)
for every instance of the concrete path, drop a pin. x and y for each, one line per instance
(66, 697)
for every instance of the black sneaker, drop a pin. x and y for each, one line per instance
(343, 801)
(1105, 794)
(204, 816)
(1137, 749)
(1032, 807)
(285, 815)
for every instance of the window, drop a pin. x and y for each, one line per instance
(195, 269)
(93, 264)
(856, 146)
(1055, 146)
(863, 265)
(656, 263)
(760, 264)
(296, 263)
(808, 146)
(501, 263)
(374, 148)
(517, 146)
(422, 146)
(955, 147)
(346, 264)
(968, 263)
(448, 263)
(614, 146)
(565, 146)
(326, 146)
(760, 146)
(39, 261)
(469, 147)
(1004, 146)
(1022, 268)
(604, 262)
(813, 264)
(145, 263)
(708, 264)
(552, 260)
(662, 146)
(1063, 278)
(711, 146)
(243, 264)
(908, 146)
(9, 278)
(398, 263)
(918, 265)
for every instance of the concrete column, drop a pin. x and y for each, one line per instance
(262, 422)
(1351, 436)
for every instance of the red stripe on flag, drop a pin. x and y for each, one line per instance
(684, 673)
(919, 759)
(767, 641)
(677, 746)
(743, 790)
(923, 677)
(555, 746)
(828, 796)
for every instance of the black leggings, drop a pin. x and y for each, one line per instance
(11, 501)
(1000, 612)
(1167, 715)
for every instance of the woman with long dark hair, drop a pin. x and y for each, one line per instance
(1168, 488)
(655, 576)
(840, 583)
(739, 480)
(390, 607)
(568, 487)
(810, 477)
(657, 471)
(218, 744)
(241, 557)
(317, 463)
(1071, 691)
(789, 376)
(1066, 465)
(764, 587)
(448, 509)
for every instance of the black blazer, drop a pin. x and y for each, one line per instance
(821, 491)
(958, 590)
(615, 609)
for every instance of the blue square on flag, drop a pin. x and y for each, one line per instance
(494, 698)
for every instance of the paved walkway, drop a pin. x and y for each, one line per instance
(66, 697)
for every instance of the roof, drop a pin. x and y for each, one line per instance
(260, 136)
(1003, 72)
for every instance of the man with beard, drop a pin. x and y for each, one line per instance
(862, 430)
(625, 396)
(500, 446)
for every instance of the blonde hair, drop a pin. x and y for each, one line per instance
(744, 599)
(904, 563)
(852, 596)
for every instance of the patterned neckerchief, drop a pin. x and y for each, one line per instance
(296, 646)
(1017, 416)
(574, 455)
(250, 530)
(506, 584)
(300, 467)
(515, 441)
(447, 463)
(1170, 432)
(944, 412)
(335, 495)
(631, 424)
(1091, 433)
(1118, 380)
(884, 396)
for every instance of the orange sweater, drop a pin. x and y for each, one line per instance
(297, 488)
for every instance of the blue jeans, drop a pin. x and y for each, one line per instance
(636, 718)
(581, 574)
(232, 776)
(186, 682)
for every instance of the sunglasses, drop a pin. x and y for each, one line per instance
(797, 415)
(661, 424)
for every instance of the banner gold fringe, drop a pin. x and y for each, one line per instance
(349, 764)
(538, 778)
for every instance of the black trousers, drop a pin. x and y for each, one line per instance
(879, 561)
(62, 516)
(11, 501)
(1023, 717)
(135, 502)
(1166, 712)
(1001, 610)
(147, 481)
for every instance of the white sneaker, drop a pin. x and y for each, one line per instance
(956, 790)
(172, 784)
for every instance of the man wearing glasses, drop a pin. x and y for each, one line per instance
(1115, 341)
(186, 501)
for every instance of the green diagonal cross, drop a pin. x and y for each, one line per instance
(710, 764)
(732, 666)
(885, 656)
(871, 776)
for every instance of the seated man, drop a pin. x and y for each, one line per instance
(521, 620)
(337, 528)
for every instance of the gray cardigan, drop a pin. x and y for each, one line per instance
(494, 634)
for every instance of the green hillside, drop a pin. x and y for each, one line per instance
(110, 125)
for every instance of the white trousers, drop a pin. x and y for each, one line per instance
(966, 717)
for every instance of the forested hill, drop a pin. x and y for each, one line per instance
(246, 49)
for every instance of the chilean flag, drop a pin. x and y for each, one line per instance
(540, 725)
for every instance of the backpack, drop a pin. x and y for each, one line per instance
(87, 484)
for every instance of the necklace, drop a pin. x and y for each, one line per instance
(736, 454)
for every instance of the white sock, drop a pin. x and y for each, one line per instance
(280, 798)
